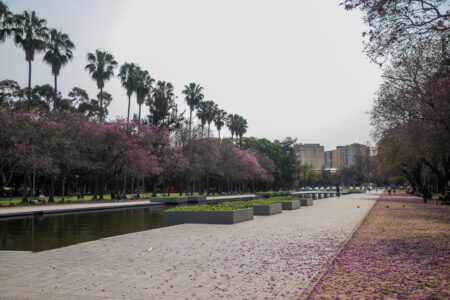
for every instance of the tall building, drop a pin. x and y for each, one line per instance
(332, 159)
(348, 154)
(312, 154)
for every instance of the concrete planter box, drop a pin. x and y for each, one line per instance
(291, 205)
(306, 202)
(208, 217)
(267, 210)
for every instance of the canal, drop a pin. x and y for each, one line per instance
(45, 232)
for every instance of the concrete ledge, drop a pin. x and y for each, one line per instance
(306, 202)
(174, 200)
(263, 195)
(197, 199)
(208, 217)
(291, 205)
(267, 210)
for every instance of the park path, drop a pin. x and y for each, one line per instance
(268, 258)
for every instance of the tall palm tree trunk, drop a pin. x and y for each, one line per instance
(29, 86)
(208, 129)
(101, 105)
(56, 93)
(139, 117)
(129, 104)
(190, 121)
(219, 134)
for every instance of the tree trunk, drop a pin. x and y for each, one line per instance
(102, 188)
(124, 191)
(101, 105)
(25, 187)
(208, 129)
(94, 196)
(51, 197)
(139, 118)
(129, 104)
(63, 185)
(56, 93)
(190, 121)
(219, 134)
(29, 86)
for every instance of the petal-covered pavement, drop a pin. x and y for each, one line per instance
(268, 258)
(401, 251)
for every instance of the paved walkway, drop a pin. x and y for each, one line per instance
(268, 258)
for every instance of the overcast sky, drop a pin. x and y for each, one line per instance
(291, 68)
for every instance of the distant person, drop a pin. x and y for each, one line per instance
(389, 189)
(394, 190)
(41, 198)
(425, 193)
(338, 191)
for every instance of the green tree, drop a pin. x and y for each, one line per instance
(101, 67)
(289, 162)
(10, 92)
(194, 95)
(210, 112)
(232, 124)
(78, 95)
(45, 92)
(30, 33)
(241, 127)
(6, 22)
(162, 107)
(202, 114)
(219, 119)
(143, 88)
(128, 77)
(59, 53)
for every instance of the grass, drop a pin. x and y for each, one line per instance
(234, 205)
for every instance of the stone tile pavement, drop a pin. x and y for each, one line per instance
(271, 257)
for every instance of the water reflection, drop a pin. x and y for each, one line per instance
(40, 233)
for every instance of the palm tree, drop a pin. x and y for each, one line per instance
(127, 75)
(241, 127)
(210, 111)
(31, 34)
(232, 125)
(59, 52)
(143, 87)
(202, 113)
(194, 95)
(6, 21)
(219, 119)
(101, 67)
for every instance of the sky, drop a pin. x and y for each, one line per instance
(291, 68)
